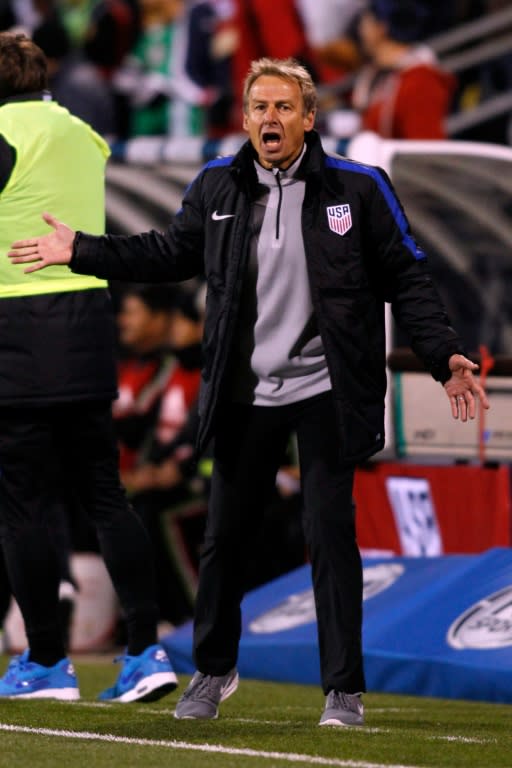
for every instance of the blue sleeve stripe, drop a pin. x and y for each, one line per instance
(219, 162)
(394, 206)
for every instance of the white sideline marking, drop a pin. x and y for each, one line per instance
(385, 710)
(289, 757)
(464, 739)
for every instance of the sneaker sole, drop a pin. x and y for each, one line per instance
(340, 723)
(150, 688)
(231, 688)
(62, 694)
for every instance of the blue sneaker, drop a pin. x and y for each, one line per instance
(146, 677)
(24, 679)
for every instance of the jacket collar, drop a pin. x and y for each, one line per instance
(34, 96)
(311, 165)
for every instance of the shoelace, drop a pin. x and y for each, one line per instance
(17, 665)
(17, 662)
(203, 685)
(342, 700)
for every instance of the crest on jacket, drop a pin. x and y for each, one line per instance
(339, 218)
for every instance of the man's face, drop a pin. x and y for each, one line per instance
(140, 328)
(275, 120)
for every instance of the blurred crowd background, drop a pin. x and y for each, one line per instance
(174, 68)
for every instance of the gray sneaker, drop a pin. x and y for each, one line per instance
(202, 696)
(343, 709)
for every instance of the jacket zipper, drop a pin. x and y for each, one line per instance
(275, 171)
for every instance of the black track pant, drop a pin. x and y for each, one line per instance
(249, 446)
(79, 438)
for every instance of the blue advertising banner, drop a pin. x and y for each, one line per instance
(433, 626)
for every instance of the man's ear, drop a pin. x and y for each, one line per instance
(309, 121)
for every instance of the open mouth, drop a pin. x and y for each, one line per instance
(270, 139)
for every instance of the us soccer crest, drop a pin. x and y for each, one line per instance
(339, 218)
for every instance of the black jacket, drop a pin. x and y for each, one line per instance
(351, 276)
(57, 348)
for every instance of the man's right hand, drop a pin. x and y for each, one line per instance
(46, 250)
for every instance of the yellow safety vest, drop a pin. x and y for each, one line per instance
(60, 169)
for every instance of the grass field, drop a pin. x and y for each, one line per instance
(263, 724)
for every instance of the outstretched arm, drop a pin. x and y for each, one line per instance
(54, 248)
(462, 388)
(173, 255)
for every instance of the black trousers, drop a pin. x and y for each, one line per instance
(79, 440)
(249, 445)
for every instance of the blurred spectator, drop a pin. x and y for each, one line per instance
(208, 62)
(158, 75)
(75, 15)
(105, 28)
(111, 32)
(331, 30)
(84, 43)
(402, 93)
(75, 82)
(144, 364)
(184, 335)
(163, 478)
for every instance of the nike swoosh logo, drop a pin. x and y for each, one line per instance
(220, 216)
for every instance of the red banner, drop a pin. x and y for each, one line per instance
(429, 510)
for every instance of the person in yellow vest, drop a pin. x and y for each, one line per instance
(57, 383)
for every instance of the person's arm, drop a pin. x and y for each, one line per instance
(174, 255)
(7, 160)
(400, 271)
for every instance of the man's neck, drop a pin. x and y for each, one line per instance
(286, 164)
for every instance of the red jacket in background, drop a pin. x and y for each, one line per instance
(409, 102)
(179, 396)
(154, 403)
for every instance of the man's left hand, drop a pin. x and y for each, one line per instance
(463, 388)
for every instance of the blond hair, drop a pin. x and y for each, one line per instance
(287, 69)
